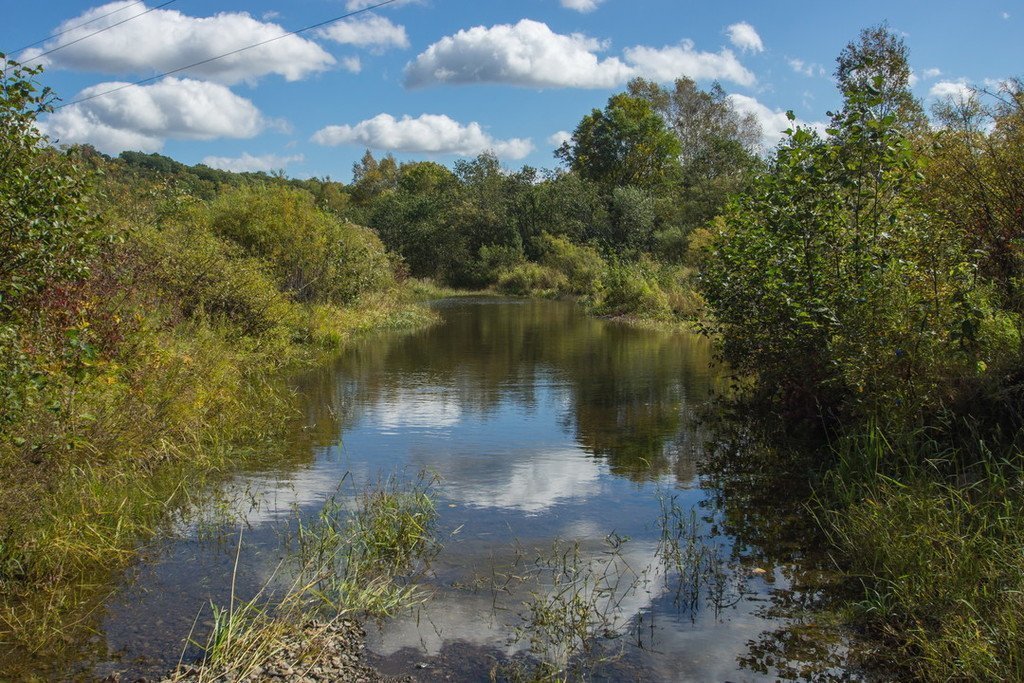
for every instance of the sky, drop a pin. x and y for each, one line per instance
(445, 79)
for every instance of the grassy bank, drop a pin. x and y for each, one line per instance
(868, 291)
(931, 537)
(147, 322)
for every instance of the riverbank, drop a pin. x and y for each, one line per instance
(155, 369)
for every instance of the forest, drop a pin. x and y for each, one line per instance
(862, 284)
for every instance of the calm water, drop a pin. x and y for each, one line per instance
(545, 427)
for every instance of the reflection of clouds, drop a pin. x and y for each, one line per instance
(424, 408)
(526, 480)
(682, 650)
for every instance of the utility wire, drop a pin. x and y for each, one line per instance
(105, 28)
(76, 26)
(226, 54)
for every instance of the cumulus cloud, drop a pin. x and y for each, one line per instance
(248, 162)
(745, 37)
(955, 89)
(932, 73)
(530, 54)
(163, 40)
(527, 54)
(581, 5)
(142, 118)
(559, 138)
(669, 63)
(351, 64)
(773, 121)
(368, 30)
(431, 133)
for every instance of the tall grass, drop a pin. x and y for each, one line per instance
(362, 559)
(932, 535)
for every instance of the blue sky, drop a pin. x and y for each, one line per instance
(440, 79)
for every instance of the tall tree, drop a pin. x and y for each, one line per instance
(878, 62)
(626, 143)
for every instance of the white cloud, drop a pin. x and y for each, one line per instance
(931, 73)
(955, 89)
(351, 64)
(669, 63)
(431, 133)
(557, 139)
(809, 70)
(248, 162)
(527, 54)
(773, 121)
(745, 37)
(142, 118)
(530, 54)
(167, 39)
(581, 5)
(368, 30)
(1005, 15)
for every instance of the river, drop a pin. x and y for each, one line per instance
(552, 435)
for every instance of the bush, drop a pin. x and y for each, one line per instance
(633, 289)
(582, 266)
(531, 278)
(313, 255)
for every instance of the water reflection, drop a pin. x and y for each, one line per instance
(622, 393)
(542, 424)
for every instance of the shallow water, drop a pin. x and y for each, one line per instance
(545, 428)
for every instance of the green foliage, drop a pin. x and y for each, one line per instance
(315, 256)
(939, 565)
(582, 266)
(531, 278)
(632, 288)
(879, 62)
(626, 143)
(830, 282)
(632, 218)
(47, 230)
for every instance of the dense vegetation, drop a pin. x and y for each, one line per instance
(613, 228)
(865, 283)
(869, 283)
(146, 311)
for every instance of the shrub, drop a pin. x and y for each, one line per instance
(531, 278)
(633, 289)
(581, 265)
(313, 255)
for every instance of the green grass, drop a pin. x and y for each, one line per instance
(359, 562)
(932, 539)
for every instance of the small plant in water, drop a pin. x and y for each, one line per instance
(362, 560)
(693, 563)
(574, 609)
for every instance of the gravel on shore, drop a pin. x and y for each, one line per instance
(338, 647)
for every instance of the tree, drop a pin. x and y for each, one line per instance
(718, 146)
(879, 62)
(47, 232)
(372, 178)
(700, 119)
(626, 143)
(831, 282)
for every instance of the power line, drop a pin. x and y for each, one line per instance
(76, 26)
(105, 28)
(226, 54)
